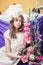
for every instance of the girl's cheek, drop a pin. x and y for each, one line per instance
(14, 23)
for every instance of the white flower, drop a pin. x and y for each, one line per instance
(32, 57)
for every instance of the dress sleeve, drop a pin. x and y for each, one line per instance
(6, 34)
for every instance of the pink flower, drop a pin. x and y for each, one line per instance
(26, 28)
(26, 24)
(24, 58)
(28, 54)
(27, 32)
(39, 37)
(30, 49)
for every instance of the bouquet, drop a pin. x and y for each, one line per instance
(25, 53)
(29, 52)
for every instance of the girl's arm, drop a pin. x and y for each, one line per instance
(8, 49)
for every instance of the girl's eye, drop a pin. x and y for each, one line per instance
(16, 20)
(20, 20)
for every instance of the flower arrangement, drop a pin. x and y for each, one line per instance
(31, 53)
(34, 27)
(25, 53)
(27, 32)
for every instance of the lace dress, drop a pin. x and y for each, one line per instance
(16, 45)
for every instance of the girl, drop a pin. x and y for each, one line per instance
(14, 39)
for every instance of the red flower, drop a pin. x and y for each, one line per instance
(37, 58)
(41, 57)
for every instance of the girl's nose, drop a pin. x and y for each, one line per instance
(18, 22)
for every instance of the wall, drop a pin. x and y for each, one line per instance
(41, 3)
(25, 3)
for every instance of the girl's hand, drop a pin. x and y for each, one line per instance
(19, 56)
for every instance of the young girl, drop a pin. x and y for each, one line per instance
(14, 39)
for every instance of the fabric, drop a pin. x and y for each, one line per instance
(20, 63)
(16, 46)
(4, 25)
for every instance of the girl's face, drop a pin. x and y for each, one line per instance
(17, 22)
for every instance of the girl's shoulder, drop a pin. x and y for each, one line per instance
(6, 34)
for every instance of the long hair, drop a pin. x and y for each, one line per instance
(13, 29)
